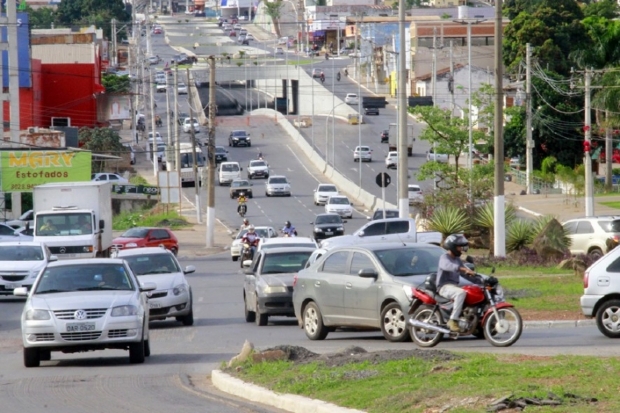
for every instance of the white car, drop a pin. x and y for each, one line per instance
(391, 160)
(84, 305)
(263, 233)
(173, 295)
(285, 242)
(109, 177)
(8, 234)
(283, 40)
(279, 51)
(351, 99)
(415, 194)
(249, 36)
(258, 169)
(187, 125)
(323, 192)
(339, 204)
(363, 153)
(161, 87)
(24, 219)
(181, 88)
(20, 263)
(277, 185)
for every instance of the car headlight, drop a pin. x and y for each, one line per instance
(179, 289)
(131, 245)
(274, 289)
(248, 138)
(124, 310)
(33, 273)
(340, 229)
(318, 230)
(37, 315)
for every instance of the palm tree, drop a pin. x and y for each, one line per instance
(485, 218)
(273, 10)
(449, 220)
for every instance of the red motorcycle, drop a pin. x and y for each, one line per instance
(485, 314)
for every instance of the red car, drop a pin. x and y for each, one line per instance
(147, 237)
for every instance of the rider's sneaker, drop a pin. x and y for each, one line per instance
(453, 325)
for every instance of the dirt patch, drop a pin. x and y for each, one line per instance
(356, 354)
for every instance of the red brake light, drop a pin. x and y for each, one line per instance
(586, 278)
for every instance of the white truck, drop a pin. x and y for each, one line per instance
(74, 219)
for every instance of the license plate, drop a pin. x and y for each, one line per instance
(154, 305)
(328, 233)
(81, 327)
(11, 286)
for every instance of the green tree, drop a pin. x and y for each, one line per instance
(116, 84)
(41, 18)
(273, 10)
(100, 140)
(96, 12)
(603, 8)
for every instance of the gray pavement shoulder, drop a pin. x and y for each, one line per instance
(288, 402)
(558, 324)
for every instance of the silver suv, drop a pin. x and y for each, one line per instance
(593, 236)
(601, 288)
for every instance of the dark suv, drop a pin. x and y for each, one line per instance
(371, 111)
(239, 137)
(221, 154)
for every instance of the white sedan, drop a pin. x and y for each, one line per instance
(20, 263)
(263, 233)
(182, 88)
(85, 305)
(323, 192)
(339, 204)
(391, 160)
(187, 125)
(173, 295)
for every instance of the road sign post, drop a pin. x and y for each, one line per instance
(383, 180)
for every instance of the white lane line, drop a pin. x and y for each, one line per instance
(302, 164)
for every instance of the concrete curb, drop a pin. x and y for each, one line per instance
(288, 402)
(558, 324)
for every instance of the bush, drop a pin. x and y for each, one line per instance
(449, 220)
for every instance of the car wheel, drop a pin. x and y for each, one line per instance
(249, 144)
(188, 319)
(260, 319)
(250, 316)
(266, 194)
(235, 257)
(313, 322)
(608, 319)
(147, 348)
(31, 357)
(136, 352)
(394, 323)
(251, 195)
(595, 254)
(45, 355)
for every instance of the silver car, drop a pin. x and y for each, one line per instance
(277, 185)
(365, 287)
(20, 263)
(173, 295)
(84, 305)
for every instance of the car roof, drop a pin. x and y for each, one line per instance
(288, 249)
(374, 246)
(86, 261)
(288, 240)
(16, 243)
(142, 251)
(327, 214)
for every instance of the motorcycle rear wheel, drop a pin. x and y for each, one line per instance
(505, 331)
(424, 337)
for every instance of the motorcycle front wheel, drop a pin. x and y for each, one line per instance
(506, 330)
(424, 337)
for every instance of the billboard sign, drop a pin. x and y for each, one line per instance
(20, 171)
(23, 52)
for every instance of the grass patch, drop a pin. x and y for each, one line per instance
(467, 383)
(611, 204)
(149, 218)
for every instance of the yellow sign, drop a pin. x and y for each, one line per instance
(20, 171)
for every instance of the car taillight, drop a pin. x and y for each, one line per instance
(294, 280)
(586, 277)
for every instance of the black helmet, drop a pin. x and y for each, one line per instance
(456, 240)
(287, 223)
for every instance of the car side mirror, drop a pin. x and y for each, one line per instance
(241, 168)
(101, 224)
(53, 258)
(189, 269)
(360, 234)
(368, 273)
(147, 286)
(312, 223)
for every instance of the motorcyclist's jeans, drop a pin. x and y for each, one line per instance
(457, 295)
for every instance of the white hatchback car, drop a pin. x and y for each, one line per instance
(187, 125)
(415, 194)
(285, 242)
(339, 204)
(323, 192)
(391, 160)
(84, 305)
(363, 153)
(351, 99)
(20, 263)
(263, 233)
(173, 295)
(277, 185)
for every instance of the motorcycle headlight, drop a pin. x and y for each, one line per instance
(274, 289)
(37, 315)
(179, 289)
(124, 311)
(499, 293)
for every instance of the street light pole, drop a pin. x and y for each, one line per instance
(403, 201)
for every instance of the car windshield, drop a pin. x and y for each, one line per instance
(285, 262)
(327, 188)
(261, 232)
(403, 262)
(135, 233)
(287, 245)
(328, 219)
(254, 164)
(239, 133)
(230, 168)
(84, 277)
(237, 184)
(61, 224)
(339, 201)
(152, 264)
(388, 214)
(277, 181)
(414, 189)
(220, 149)
(21, 253)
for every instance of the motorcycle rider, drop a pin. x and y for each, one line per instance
(346, 72)
(245, 225)
(289, 230)
(448, 270)
(338, 76)
(322, 77)
(241, 202)
(252, 239)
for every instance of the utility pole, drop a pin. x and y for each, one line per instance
(529, 142)
(499, 228)
(177, 151)
(452, 103)
(149, 84)
(587, 145)
(211, 152)
(114, 46)
(403, 201)
(608, 153)
(169, 147)
(194, 154)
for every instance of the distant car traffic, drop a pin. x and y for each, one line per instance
(385, 136)
(20, 263)
(241, 186)
(371, 111)
(258, 169)
(187, 125)
(140, 237)
(351, 99)
(327, 226)
(277, 186)
(239, 137)
(391, 160)
(362, 153)
(323, 192)
(339, 204)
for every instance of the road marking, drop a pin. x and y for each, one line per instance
(302, 164)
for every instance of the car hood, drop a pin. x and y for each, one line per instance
(163, 281)
(339, 240)
(258, 168)
(9, 266)
(337, 207)
(284, 279)
(319, 193)
(80, 300)
(278, 185)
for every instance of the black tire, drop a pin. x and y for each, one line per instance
(267, 195)
(249, 144)
(423, 337)
(313, 322)
(250, 316)
(605, 318)
(137, 352)
(261, 319)
(188, 320)
(147, 348)
(251, 196)
(45, 355)
(31, 357)
(595, 254)
(394, 323)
